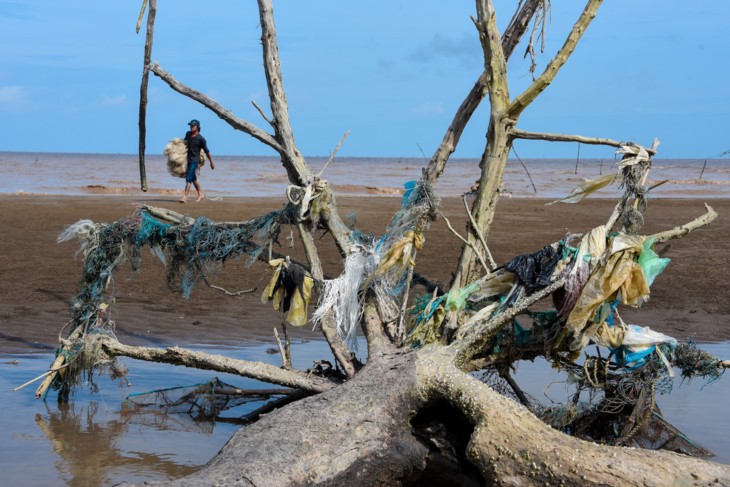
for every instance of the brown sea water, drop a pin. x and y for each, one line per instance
(78, 174)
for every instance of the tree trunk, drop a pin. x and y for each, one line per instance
(358, 435)
(431, 419)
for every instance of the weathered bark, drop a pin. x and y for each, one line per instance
(358, 434)
(513, 447)
(363, 433)
(510, 39)
(504, 116)
(149, 36)
(218, 363)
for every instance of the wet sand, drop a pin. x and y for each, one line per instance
(40, 276)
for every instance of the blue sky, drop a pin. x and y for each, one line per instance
(391, 72)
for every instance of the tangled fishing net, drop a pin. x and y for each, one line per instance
(381, 266)
(192, 250)
(176, 152)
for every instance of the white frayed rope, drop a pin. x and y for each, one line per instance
(341, 296)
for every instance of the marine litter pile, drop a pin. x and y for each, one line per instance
(616, 369)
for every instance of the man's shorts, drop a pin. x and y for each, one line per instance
(190, 175)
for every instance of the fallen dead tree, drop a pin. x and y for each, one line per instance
(416, 407)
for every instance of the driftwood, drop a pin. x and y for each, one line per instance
(413, 413)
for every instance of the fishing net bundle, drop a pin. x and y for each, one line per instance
(397, 248)
(635, 164)
(176, 152)
(201, 249)
(613, 402)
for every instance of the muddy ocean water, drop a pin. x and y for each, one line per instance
(90, 442)
(78, 174)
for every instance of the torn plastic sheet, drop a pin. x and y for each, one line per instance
(536, 269)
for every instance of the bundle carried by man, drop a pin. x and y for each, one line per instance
(176, 152)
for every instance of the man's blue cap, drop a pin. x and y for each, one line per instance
(194, 122)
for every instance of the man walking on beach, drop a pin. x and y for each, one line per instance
(195, 143)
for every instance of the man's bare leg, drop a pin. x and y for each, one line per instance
(184, 198)
(201, 195)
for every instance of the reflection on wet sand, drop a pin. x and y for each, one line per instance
(88, 448)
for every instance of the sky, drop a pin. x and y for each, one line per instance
(390, 72)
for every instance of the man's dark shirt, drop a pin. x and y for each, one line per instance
(195, 144)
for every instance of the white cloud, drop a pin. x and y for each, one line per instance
(114, 101)
(428, 109)
(16, 99)
(11, 95)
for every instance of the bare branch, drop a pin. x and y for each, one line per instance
(554, 66)
(285, 358)
(481, 237)
(141, 15)
(522, 134)
(332, 156)
(219, 363)
(261, 112)
(682, 230)
(511, 37)
(149, 36)
(292, 158)
(467, 242)
(223, 113)
(226, 291)
(495, 61)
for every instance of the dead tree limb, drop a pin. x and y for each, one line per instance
(522, 134)
(475, 229)
(216, 108)
(143, 86)
(503, 442)
(682, 230)
(543, 81)
(219, 363)
(510, 39)
(503, 116)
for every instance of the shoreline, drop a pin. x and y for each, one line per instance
(689, 300)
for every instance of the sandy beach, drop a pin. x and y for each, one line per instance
(40, 276)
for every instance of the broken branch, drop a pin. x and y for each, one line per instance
(219, 363)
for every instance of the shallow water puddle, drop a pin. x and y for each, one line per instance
(697, 408)
(89, 442)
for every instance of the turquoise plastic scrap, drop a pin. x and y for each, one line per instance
(150, 226)
(409, 194)
(650, 262)
(424, 308)
(456, 299)
(633, 360)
